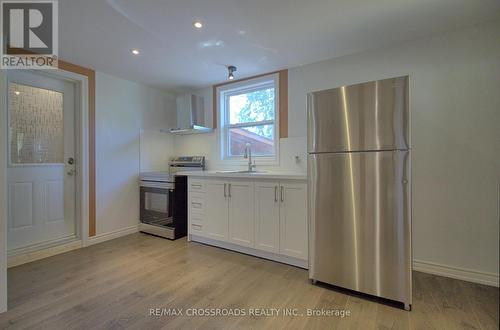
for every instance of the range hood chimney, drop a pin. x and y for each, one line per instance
(190, 115)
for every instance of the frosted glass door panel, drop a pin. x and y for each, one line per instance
(36, 125)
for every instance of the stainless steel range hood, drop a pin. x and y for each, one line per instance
(190, 116)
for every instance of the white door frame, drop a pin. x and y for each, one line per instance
(3, 192)
(82, 138)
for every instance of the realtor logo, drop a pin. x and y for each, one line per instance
(29, 34)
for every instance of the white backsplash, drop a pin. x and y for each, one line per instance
(156, 149)
(207, 145)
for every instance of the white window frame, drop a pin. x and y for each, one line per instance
(222, 93)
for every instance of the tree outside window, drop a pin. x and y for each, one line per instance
(249, 116)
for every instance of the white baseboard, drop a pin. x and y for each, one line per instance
(456, 272)
(23, 256)
(112, 235)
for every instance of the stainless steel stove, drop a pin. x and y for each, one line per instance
(163, 198)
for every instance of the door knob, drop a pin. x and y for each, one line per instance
(71, 160)
(71, 172)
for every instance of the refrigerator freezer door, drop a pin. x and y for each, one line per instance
(359, 217)
(368, 116)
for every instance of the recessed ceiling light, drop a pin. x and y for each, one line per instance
(135, 51)
(197, 24)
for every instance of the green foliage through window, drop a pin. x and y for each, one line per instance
(255, 106)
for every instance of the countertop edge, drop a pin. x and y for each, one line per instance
(268, 175)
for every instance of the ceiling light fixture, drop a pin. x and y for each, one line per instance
(17, 92)
(135, 51)
(231, 69)
(197, 24)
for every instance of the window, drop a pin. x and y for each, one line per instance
(248, 112)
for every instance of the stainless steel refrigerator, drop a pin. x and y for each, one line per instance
(359, 188)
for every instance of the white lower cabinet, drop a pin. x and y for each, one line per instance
(241, 212)
(216, 215)
(267, 216)
(293, 228)
(259, 215)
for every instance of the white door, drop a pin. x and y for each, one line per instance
(267, 216)
(216, 213)
(293, 220)
(41, 159)
(241, 210)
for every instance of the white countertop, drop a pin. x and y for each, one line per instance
(257, 175)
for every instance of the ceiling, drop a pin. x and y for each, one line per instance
(257, 36)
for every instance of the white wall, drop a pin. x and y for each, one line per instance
(455, 104)
(156, 147)
(123, 109)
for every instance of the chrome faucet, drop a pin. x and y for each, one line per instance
(248, 154)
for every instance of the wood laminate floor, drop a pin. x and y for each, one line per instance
(114, 285)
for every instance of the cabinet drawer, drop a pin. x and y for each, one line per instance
(197, 202)
(196, 218)
(197, 185)
(196, 228)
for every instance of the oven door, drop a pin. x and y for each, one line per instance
(156, 203)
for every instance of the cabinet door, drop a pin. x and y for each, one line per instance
(293, 220)
(267, 216)
(241, 212)
(216, 216)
